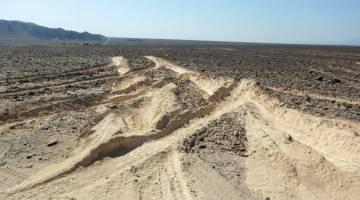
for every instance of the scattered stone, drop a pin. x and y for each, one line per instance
(335, 81)
(289, 138)
(114, 107)
(224, 134)
(203, 146)
(237, 142)
(12, 127)
(52, 143)
(321, 78)
(3, 163)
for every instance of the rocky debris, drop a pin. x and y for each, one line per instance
(223, 134)
(47, 60)
(53, 80)
(160, 74)
(317, 69)
(290, 138)
(335, 81)
(37, 141)
(321, 78)
(139, 62)
(30, 165)
(321, 107)
(52, 142)
(222, 145)
(189, 96)
(114, 107)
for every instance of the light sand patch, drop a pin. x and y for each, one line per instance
(162, 62)
(122, 64)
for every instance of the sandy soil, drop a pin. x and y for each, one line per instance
(167, 132)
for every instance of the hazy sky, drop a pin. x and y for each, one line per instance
(289, 21)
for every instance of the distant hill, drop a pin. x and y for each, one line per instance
(23, 33)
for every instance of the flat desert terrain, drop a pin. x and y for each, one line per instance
(241, 121)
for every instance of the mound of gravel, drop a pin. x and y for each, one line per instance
(189, 96)
(223, 134)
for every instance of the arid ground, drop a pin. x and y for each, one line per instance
(248, 121)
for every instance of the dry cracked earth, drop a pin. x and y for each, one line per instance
(229, 122)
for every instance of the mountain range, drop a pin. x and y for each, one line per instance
(22, 33)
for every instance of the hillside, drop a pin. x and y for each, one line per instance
(21, 33)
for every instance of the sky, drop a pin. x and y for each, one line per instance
(271, 21)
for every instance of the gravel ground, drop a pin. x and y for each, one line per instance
(52, 97)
